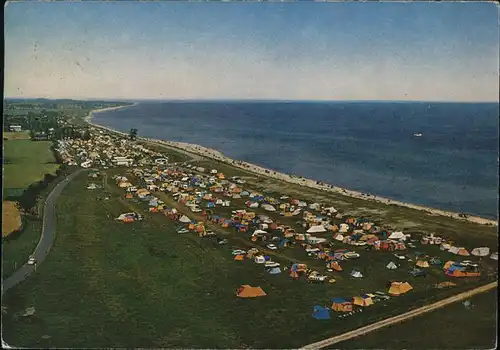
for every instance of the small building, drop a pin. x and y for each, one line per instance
(15, 128)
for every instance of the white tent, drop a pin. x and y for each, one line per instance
(494, 256)
(454, 250)
(302, 204)
(343, 228)
(268, 207)
(314, 206)
(339, 237)
(236, 196)
(391, 266)
(254, 205)
(445, 246)
(397, 235)
(482, 251)
(184, 219)
(316, 228)
(256, 232)
(356, 273)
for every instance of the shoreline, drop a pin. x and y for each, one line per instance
(88, 118)
(216, 155)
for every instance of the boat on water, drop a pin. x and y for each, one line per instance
(418, 134)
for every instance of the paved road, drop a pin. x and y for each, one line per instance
(400, 318)
(46, 238)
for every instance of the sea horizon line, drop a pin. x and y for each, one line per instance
(235, 100)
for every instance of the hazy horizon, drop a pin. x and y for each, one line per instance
(353, 51)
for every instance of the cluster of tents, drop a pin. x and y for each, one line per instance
(345, 305)
(454, 269)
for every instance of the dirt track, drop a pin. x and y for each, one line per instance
(400, 318)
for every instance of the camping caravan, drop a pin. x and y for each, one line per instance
(341, 305)
(483, 251)
(246, 291)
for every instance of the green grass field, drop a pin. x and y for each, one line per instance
(453, 327)
(109, 284)
(26, 162)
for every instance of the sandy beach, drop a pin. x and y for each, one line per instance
(216, 155)
(89, 117)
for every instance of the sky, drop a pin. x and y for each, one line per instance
(277, 51)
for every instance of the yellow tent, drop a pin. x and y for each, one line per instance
(360, 301)
(398, 288)
(246, 291)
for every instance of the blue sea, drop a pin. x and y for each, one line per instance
(364, 146)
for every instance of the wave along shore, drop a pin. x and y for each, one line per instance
(216, 155)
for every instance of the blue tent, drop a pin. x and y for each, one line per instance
(274, 271)
(321, 313)
(210, 205)
(338, 300)
(267, 257)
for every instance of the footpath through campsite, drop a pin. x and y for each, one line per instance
(400, 318)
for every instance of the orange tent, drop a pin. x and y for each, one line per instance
(239, 257)
(335, 265)
(398, 288)
(246, 291)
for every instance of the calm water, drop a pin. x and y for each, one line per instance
(362, 146)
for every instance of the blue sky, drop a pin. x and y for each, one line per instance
(303, 51)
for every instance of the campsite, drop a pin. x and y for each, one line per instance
(129, 216)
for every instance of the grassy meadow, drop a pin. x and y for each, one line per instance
(110, 284)
(26, 162)
(454, 327)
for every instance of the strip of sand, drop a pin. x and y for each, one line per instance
(216, 155)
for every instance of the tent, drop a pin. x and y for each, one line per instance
(391, 266)
(268, 207)
(454, 250)
(246, 291)
(398, 288)
(463, 252)
(184, 219)
(397, 235)
(494, 256)
(445, 284)
(343, 228)
(335, 265)
(422, 263)
(461, 271)
(444, 246)
(339, 237)
(356, 274)
(274, 271)
(483, 251)
(239, 257)
(316, 229)
(435, 261)
(341, 305)
(363, 300)
(321, 313)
